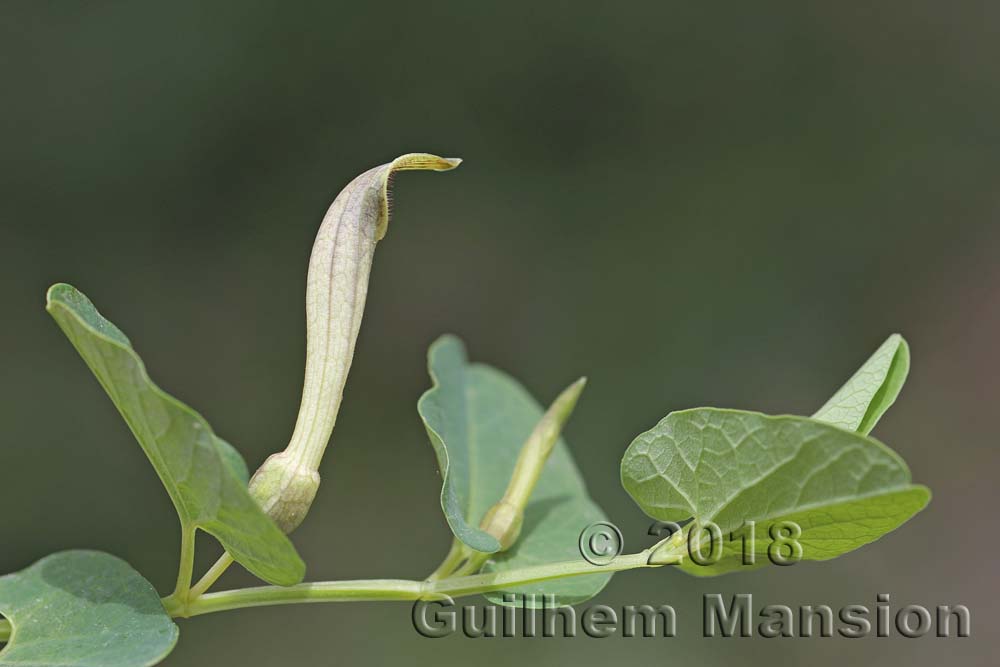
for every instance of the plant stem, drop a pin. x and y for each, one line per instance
(456, 556)
(472, 564)
(213, 574)
(494, 581)
(329, 591)
(186, 568)
(399, 589)
(5, 630)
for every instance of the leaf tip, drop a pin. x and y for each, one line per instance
(55, 292)
(447, 344)
(898, 344)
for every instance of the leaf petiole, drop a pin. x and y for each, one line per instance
(185, 570)
(457, 555)
(473, 564)
(213, 574)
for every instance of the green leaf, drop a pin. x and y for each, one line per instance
(863, 399)
(447, 410)
(477, 418)
(83, 609)
(201, 473)
(825, 533)
(730, 467)
(232, 458)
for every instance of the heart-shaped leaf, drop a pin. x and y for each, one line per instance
(861, 402)
(83, 609)
(729, 467)
(202, 473)
(477, 418)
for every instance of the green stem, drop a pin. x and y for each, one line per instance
(399, 589)
(5, 630)
(456, 556)
(330, 591)
(186, 568)
(472, 564)
(213, 574)
(494, 581)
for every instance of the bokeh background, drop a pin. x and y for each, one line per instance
(691, 205)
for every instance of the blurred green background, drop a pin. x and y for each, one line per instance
(691, 205)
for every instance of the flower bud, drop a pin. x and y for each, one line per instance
(504, 520)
